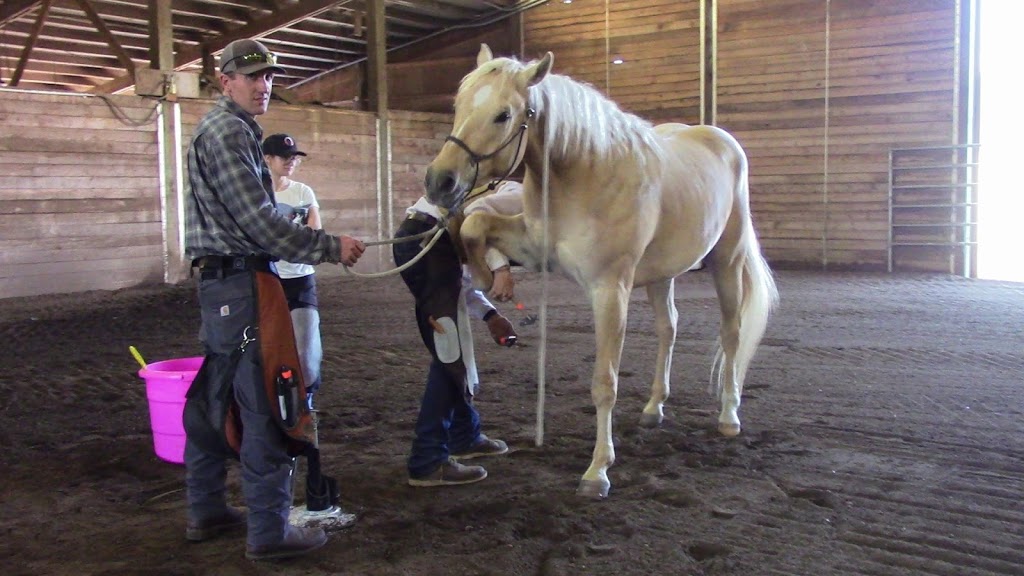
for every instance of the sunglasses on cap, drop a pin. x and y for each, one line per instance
(268, 57)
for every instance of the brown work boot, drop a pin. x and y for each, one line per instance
(200, 530)
(298, 540)
(483, 446)
(450, 473)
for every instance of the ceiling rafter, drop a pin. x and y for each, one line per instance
(280, 19)
(103, 31)
(37, 26)
(11, 10)
(311, 37)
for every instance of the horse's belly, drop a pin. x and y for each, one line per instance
(657, 266)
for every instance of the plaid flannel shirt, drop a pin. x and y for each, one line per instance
(230, 209)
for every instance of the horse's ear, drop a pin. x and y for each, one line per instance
(484, 56)
(536, 71)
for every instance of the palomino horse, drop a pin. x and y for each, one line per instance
(630, 204)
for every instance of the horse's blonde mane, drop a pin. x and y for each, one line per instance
(579, 119)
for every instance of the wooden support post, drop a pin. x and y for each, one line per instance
(377, 101)
(161, 57)
(161, 36)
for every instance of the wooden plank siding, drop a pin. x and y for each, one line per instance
(817, 92)
(771, 97)
(80, 205)
(892, 85)
(658, 40)
(79, 194)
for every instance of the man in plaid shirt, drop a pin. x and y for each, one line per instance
(232, 231)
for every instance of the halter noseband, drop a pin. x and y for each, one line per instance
(477, 158)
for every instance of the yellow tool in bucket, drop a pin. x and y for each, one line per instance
(138, 357)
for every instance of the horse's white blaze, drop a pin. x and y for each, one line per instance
(630, 205)
(482, 96)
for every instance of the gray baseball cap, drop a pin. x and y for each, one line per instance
(248, 57)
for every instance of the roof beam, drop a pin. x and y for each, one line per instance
(161, 35)
(32, 37)
(276, 21)
(11, 10)
(101, 28)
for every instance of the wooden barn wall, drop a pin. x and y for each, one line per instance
(422, 77)
(79, 193)
(80, 204)
(658, 40)
(771, 95)
(892, 85)
(817, 92)
(416, 138)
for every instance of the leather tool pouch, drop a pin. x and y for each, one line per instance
(278, 354)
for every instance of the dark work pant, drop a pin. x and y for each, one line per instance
(447, 421)
(228, 306)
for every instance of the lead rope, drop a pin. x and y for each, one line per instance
(437, 230)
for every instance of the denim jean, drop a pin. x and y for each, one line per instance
(228, 306)
(447, 422)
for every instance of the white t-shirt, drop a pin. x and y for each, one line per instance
(298, 196)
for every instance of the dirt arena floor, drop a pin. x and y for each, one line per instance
(883, 434)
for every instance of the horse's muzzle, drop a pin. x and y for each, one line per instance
(443, 188)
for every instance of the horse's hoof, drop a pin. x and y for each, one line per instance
(650, 420)
(728, 430)
(594, 489)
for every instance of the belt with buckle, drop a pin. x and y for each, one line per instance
(221, 266)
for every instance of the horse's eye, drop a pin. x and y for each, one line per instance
(502, 118)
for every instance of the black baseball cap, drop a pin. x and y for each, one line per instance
(248, 57)
(281, 145)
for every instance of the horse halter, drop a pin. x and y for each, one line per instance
(477, 158)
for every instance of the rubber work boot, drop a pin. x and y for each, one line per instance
(450, 473)
(200, 530)
(483, 446)
(298, 540)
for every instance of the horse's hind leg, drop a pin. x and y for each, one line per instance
(728, 272)
(662, 298)
(610, 302)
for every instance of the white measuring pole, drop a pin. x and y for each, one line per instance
(542, 352)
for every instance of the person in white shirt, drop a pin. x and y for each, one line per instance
(298, 202)
(448, 427)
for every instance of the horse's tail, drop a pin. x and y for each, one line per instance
(760, 297)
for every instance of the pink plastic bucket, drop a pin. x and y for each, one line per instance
(166, 385)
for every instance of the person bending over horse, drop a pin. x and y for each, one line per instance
(448, 427)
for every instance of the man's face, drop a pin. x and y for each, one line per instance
(250, 91)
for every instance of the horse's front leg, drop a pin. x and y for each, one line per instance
(662, 298)
(481, 230)
(610, 301)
